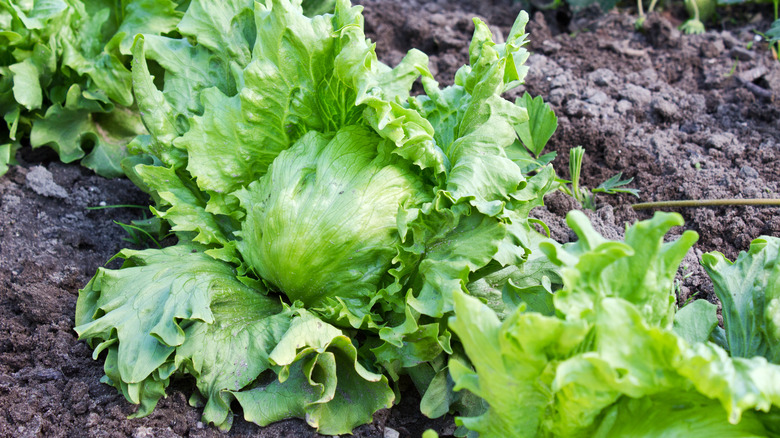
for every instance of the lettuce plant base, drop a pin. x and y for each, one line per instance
(660, 107)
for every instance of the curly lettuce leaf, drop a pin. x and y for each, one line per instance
(749, 290)
(231, 353)
(473, 125)
(320, 380)
(67, 68)
(607, 364)
(155, 319)
(185, 207)
(141, 344)
(512, 368)
(593, 260)
(152, 280)
(675, 414)
(83, 123)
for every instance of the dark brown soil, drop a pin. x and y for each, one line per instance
(689, 117)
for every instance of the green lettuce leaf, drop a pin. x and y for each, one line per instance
(7, 154)
(141, 343)
(675, 414)
(66, 68)
(203, 321)
(593, 260)
(83, 124)
(321, 380)
(696, 321)
(231, 353)
(513, 370)
(749, 289)
(154, 281)
(604, 364)
(186, 210)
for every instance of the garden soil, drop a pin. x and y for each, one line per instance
(688, 117)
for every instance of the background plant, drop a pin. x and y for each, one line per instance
(65, 79)
(608, 355)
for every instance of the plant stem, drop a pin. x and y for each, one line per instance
(652, 6)
(704, 203)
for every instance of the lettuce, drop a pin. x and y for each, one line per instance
(609, 361)
(329, 206)
(301, 177)
(749, 290)
(65, 80)
(225, 334)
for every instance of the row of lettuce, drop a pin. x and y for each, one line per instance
(336, 234)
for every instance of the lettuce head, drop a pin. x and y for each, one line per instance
(321, 226)
(302, 178)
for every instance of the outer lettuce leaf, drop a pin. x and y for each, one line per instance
(7, 153)
(317, 7)
(150, 17)
(141, 344)
(152, 280)
(740, 384)
(231, 353)
(186, 206)
(696, 321)
(675, 415)
(320, 380)
(155, 318)
(607, 364)
(189, 69)
(224, 27)
(82, 121)
(513, 362)
(749, 290)
(455, 244)
(65, 65)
